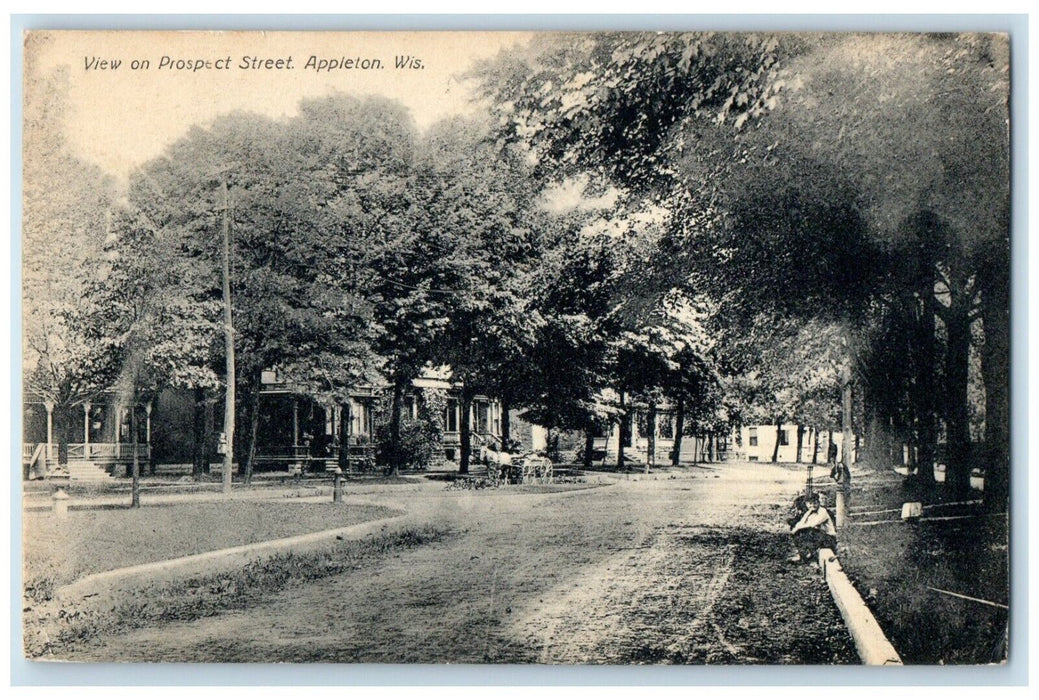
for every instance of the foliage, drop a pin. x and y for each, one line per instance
(65, 205)
(615, 102)
(420, 442)
(476, 247)
(786, 371)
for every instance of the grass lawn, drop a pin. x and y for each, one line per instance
(58, 551)
(893, 564)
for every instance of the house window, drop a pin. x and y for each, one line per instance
(360, 419)
(752, 437)
(642, 423)
(783, 439)
(451, 416)
(482, 418)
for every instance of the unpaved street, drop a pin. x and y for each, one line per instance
(686, 567)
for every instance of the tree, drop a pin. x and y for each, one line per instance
(303, 228)
(919, 142)
(785, 371)
(149, 323)
(668, 354)
(475, 208)
(66, 207)
(614, 102)
(620, 107)
(575, 290)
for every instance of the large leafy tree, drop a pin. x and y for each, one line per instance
(301, 200)
(151, 323)
(883, 148)
(667, 355)
(906, 178)
(618, 102)
(475, 205)
(66, 208)
(624, 110)
(570, 384)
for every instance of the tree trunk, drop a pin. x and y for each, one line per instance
(873, 450)
(464, 430)
(815, 445)
(775, 450)
(229, 357)
(254, 425)
(957, 372)
(198, 452)
(589, 445)
(676, 448)
(995, 372)
(926, 420)
(506, 426)
(800, 442)
(844, 489)
(710, 446)
(651, 439)
(622, 424)
(396, 402)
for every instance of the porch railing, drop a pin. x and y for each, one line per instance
(108, 451)
(30, 449)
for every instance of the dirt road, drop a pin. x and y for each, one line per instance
(686, 567)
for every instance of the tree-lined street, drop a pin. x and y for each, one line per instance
(628, 252)
(684, 567)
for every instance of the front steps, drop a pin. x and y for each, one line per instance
(83, 470)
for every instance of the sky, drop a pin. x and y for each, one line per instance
(122, 117)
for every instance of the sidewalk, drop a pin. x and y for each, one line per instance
(117, 493)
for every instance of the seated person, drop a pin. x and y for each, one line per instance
(814, 531)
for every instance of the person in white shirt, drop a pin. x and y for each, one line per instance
(814, 531)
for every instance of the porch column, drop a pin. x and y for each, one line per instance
(49, 405)
(148, 423)
(86, 428)
(295, 423)
(118, 424)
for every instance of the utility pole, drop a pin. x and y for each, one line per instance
(229, 397)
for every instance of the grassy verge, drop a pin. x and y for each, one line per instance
(895, 566)
(50, 629)
(61, 550)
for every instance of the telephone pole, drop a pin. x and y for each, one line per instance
(229, 397)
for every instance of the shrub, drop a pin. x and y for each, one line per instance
(421, 439)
